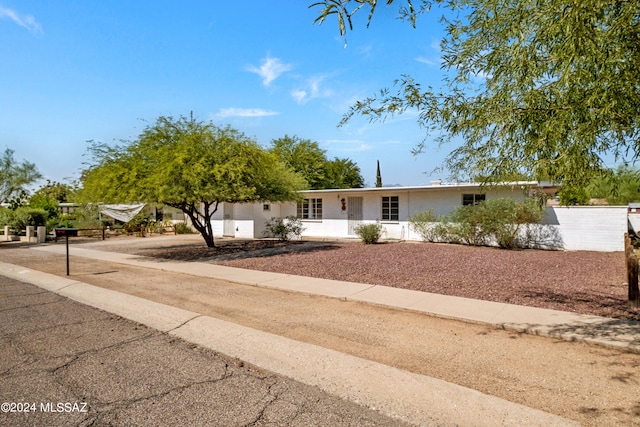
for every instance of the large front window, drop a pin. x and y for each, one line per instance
(390, 208)
(310, 209)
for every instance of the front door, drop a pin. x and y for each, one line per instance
(228, 227)
(354, 212)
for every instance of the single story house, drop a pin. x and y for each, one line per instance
(335, 213)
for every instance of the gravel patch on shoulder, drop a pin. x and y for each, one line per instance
(577, 281)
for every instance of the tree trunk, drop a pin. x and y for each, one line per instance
(201, 222)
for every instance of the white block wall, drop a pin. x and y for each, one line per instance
(589, 228)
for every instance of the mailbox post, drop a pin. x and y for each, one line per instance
(66, 232)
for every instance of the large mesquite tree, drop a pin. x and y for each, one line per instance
(189, 165)
(545, 88)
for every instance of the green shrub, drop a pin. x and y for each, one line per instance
(503, 222)
(183, 228)
(284, 229)
(369, 233)
(26, 216)
(7, 217)
(423, 224)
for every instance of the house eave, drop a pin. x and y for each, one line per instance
(436, 187)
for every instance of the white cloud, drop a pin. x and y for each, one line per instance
(432, 59)
(26, 21)
(312, 89)
(244, 112)
(270, 69)
(426, 60)
(348, 145)
(299, 95)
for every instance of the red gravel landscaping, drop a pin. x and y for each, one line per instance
(581, 281)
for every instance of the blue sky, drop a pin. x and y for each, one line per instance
(77, 70)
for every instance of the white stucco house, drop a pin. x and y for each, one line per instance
(335, 213)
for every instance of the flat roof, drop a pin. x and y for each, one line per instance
(432, 187)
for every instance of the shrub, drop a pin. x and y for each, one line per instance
(423, 224)
(138, 222)
(7, 217)
(26, 216)
(369, 233)
(183, 228)
(466, 224)
(284, 229)
(503, 221)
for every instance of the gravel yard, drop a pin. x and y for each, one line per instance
(581, 281)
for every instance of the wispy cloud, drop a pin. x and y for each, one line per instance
(348, 145)
(245, 112)
(300, 95)
(26, 21)
(426, 60)
(312, 88)
(271, 69)
(432, 58)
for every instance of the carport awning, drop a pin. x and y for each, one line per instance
(122, 213)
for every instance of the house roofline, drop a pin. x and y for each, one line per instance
(433, 187)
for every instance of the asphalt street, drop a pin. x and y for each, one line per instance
(66, 364)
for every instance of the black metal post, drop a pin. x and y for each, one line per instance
(66, 236)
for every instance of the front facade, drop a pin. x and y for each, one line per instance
(336, 213)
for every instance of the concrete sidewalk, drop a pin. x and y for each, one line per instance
(614, 333)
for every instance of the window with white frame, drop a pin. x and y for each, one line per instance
(310, 209)
(390, 208)
(472, 199)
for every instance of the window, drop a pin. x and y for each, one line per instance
(266, 207)
(472, 199)
(310, 209)
(390, 208)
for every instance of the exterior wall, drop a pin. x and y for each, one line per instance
(440, 199)
(243, 220)
(216, 221)
(597, 228)
(261, 216)
(589, 228)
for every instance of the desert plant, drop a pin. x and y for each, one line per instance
(26, 216)
(6, 217)
(284, 229)
(183, 228)
(423, 224)
(503, 221)
(466, 224)
(369, 233)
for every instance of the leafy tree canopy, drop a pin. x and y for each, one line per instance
(310, 161)
(544, 88)
(618, 187)
(188, 165)
(56, 191)
(15, 177)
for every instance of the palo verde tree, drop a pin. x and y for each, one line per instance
(618, 187)
(15, 176)
(189, 165)
(537, 87)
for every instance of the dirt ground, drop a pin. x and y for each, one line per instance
(593, 385)
(584, 282)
